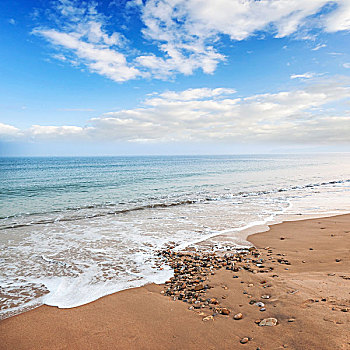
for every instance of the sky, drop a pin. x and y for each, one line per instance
(158, 77)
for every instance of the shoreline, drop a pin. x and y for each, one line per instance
(142, 318)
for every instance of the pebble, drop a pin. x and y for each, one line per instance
(338, 260)
(238, 316)
(291, 320)
(268, 322)
(265, 297)
(244, 340)
(208, 318)
(263, 309)
(260, 304)
(224, 311)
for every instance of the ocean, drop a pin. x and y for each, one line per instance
(75, 229)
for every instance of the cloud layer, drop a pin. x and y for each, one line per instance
(305, 115)
(186, 33)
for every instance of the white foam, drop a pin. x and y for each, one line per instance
(82, 261)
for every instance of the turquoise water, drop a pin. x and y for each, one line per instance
(75, 229)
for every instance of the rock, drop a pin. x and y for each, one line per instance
(291, 319)
(345, 310)
(338, 260)
(282, 238)
(311, 248)
(268, 322)
(198, 287)
(213, 301)
(208, 318)
(265, 297)
(260, 304)
(263, 309)
(224, 311)
(238, 316)
(244, 340)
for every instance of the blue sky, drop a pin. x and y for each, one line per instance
(174, 77)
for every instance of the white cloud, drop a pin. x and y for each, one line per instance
(339, 19)
(98, 58)
(56, 132)
(186, 32)
(81, 32)
(307, 75)
(12, 21)
(9, 131)
(318, 47)
(346, 65)
(304, 115)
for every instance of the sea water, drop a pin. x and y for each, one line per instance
(75, 229)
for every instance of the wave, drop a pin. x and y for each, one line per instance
(198, 198)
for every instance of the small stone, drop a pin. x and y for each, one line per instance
(244, 340)
(198, 287)
(345, 310)
(238, 316)
(208, 318)
(303, 261)
(282, 238)
(331, 274)
(268, 322)
(265, 297)
(263, 309)
(225, 311)
(338, 260)
(311, 248)
(260, 304)
(291, 319)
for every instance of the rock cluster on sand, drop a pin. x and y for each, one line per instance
(191, 272)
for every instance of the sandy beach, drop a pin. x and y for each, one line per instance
(300, 271)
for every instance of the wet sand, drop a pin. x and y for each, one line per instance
(308, 285)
